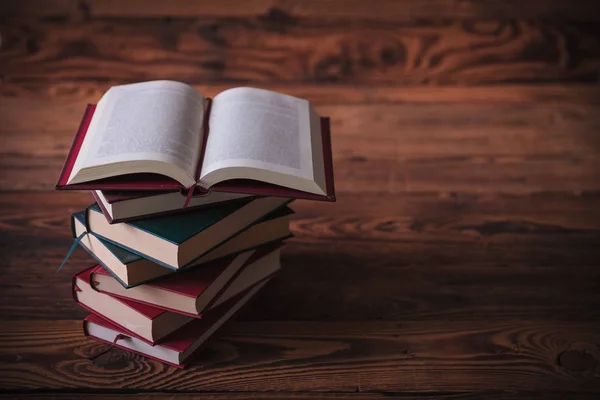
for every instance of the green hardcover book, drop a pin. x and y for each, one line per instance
(131, 269)
(176, 240)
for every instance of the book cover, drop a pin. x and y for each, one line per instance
(168, 226)
(193, 292)
(194, 282)
(129, 258)
(184, 229)
(182, 345)
(114, 198)
(177, 228)
(148, 312)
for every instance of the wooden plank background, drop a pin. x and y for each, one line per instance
(461, 260)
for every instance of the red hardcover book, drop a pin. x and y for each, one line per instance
(192, 292)
(239, 109)
(150, 324)
(179, 348)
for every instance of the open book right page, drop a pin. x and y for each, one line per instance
(265, 136)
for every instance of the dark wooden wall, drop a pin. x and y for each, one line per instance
(461, 260)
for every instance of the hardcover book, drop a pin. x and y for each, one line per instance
(131, 269)
(149, 323)
(176, 241)
(163, 134)
(119, 206)
(177, 349)
(193, 292)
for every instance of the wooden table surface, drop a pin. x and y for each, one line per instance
(461, 260)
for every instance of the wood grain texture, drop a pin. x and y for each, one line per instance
(499, 141)
(414, 257)
(55, 96)
(461, 259)
(392, 10)
(313, 356)
(280, 395)
(301, 50)
(40, 8)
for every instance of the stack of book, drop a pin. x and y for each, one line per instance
(187, 227)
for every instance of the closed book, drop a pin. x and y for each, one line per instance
(176, 241)
(131, 269)
(194, 291)
(119, 206)
(149, 323)
(177, 349)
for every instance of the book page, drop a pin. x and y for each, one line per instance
(158, 121)
(261, 130)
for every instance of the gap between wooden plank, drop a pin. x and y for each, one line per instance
(14, 95)
(394, 10)
(150, 394)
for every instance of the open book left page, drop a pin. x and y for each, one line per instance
(150, 127)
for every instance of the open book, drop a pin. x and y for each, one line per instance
(165, 134)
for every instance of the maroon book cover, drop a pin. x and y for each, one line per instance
(146, 310)
(181, 339)
(191, 283)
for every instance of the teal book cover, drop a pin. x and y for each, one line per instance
(179, 227)
(123, 255)
(126, 256)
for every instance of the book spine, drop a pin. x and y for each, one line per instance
(75, 146)
(109, 219)
(328, 157)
